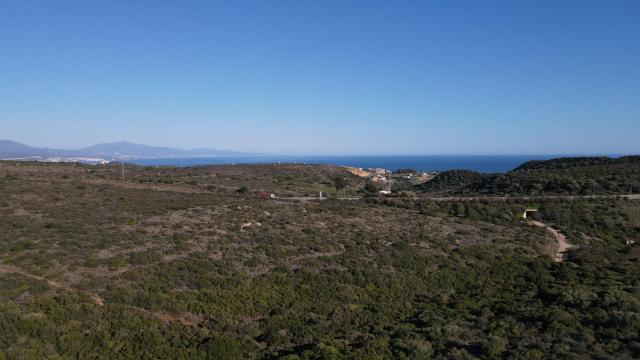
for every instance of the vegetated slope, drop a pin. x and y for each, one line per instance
(451, 180)
(572, 162)
(563, 176)
(217, 273)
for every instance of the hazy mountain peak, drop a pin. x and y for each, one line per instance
(114, 150)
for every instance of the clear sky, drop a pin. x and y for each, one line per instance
(324, 77)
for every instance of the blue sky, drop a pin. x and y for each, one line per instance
(324, 77)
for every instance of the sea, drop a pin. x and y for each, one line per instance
(427, 163)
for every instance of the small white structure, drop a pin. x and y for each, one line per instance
(527, 211)
(384, 192)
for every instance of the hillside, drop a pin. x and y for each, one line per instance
(197, 263)
(109, 151)
(451, 181)
(574, 162)
(10, 148)
(563, 176)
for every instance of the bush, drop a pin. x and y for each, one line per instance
(371, 187)
(339, 182)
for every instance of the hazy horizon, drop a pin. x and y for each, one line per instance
(241, 152)
(302, 78)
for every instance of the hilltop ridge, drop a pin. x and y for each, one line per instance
(108, 151)
(561, 176)
(570, 162)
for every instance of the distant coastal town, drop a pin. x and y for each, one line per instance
(83, 160)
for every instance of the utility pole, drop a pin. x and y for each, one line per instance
(122, 171)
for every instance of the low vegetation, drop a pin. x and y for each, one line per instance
(565, 176)
(181, 263)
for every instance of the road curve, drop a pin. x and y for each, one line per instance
(563, 245)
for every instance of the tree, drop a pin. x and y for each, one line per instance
(339, 182)
(371, 187)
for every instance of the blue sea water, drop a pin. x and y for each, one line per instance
(480, 163)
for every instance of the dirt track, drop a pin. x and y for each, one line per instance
(12, 269)
(563, 244)
(475, 198)
(154, 187)
(545, 197)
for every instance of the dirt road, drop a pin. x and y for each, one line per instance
(526, 197)
(476, 198)
(563, 245)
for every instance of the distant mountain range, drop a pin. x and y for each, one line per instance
(109, 151)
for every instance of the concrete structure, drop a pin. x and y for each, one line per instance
(526, 211)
